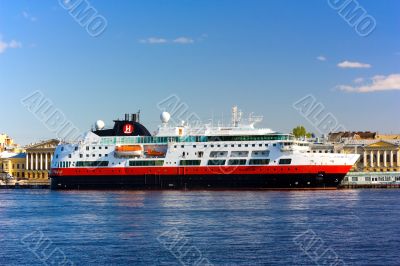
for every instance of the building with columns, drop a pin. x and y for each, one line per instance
(38, 161)
(375, 155)
(379, 163)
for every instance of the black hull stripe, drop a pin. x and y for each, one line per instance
(198, 182)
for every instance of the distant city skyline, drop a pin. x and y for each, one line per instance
(294, 62)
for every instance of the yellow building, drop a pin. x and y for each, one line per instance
(388, 137)
(13, 166)
(5, 142)
(38, 161)
(375, 156)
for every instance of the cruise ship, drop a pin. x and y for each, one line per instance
(238, 156)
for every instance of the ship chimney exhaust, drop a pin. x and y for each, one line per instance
(133, 118)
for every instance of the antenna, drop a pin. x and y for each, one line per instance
(236, 116)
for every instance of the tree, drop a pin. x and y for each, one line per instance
(301, 132)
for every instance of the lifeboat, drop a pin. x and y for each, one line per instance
(129, 150)
(154, 153)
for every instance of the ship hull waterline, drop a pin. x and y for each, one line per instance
(196, 182)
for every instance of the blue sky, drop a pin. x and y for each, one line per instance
(261, 55)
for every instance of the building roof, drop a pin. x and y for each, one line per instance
(7, 154)
(19, 156)
(41, 143)
(361, 135)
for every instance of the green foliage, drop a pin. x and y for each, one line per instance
(300, 132)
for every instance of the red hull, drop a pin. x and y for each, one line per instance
(202, 170)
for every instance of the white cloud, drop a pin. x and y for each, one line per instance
(358, 80)
(183, 40)
(28, 16)
(349, 64)
(3, 46)
(321, 58)
(6, 45)
(376, 83)
(158, 40)
(15, 44)
(154, 40)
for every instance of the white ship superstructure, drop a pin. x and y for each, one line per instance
(238, 156)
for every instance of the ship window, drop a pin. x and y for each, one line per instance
(216, 162)
(76, 148)
(87, 148)
(100, 148)
(274, 145)
(175, 146)
(239, 153)
(106, 147)
(200, 154)
(285, 161)
(194, 146)
(106, 155)
(93, 155)
(246, 145)
(233, 145)
(190, 162)
(205, 146)
(62, 148)
(182, 146)
(57, 156)
(87, 155)
(240, 145)
(237, 162)
(212, 146)
(93, 147)
(226, 145)
(266, 145)
(69, 155)
(218, 146)
(253, 145)
(146, 163)
(215, 154)
(258, 161)
(260, 153)
(99, 155)
(91, 163)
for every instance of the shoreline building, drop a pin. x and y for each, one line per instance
(7, 144)
(5, 141)
(379, 162)
(38, 161)
(13, 165)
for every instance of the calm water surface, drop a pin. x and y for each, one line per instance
(362, 227)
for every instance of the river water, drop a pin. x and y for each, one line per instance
(343, 227)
